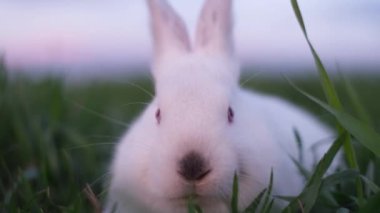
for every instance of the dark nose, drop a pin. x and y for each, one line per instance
(193, 167)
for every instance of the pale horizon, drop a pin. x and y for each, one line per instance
(75, 35)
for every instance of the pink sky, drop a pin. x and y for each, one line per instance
(80, 33)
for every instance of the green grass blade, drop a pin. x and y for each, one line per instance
(339, 177)
(265, 196)
(285, 198)
(255, 204)
(268, 208)
(327, 85)
(303, 171)
(310, 193)
(298, 138)
(370, 184)
(330, 93)
(298, 14)
(360, 111)
(365, 134)
(268, 195)
(192, 206)
(235, 195)
(355, 100)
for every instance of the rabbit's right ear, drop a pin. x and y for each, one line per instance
(169, 32)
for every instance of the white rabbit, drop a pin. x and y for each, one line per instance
(202, 128)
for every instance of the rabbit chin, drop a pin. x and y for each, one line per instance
(209, 195)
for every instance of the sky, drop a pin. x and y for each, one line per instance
(115, 33)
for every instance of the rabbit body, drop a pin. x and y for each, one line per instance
(201, 127)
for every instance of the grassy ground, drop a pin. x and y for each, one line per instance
(56, 140)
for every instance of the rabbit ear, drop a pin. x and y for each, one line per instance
(169, 31)
(214, 30)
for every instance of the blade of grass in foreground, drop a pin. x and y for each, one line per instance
(327, 85)
(235, 195)
(331, 96)
(265, 196)
(305, 201)
(355, 100)
(373, 187)
(255, 204)
(365, 134)
(339, 177)
(268, 201)
(192, 207)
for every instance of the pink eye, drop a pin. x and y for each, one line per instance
(230, 115)
(158, 116)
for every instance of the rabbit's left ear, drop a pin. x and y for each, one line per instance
(214, 30)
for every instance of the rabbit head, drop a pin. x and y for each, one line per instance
(195, 87)
(187, 143)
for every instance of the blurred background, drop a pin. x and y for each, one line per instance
(74, 75)
(82, 38)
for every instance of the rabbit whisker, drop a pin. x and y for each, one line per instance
(113, 120)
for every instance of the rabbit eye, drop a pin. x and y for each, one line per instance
(158, 116)
(230, 115)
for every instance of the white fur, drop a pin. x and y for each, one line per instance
(194, 88)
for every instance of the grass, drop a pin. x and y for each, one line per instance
(348, 126)
(56, 140)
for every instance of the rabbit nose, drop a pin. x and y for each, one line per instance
(192, 167)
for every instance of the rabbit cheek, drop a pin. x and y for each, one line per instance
(164, 181)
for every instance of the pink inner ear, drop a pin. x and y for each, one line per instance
(230, 115)
(169, 31)
(158, 116)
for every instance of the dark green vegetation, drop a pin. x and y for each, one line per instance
(56, 139)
